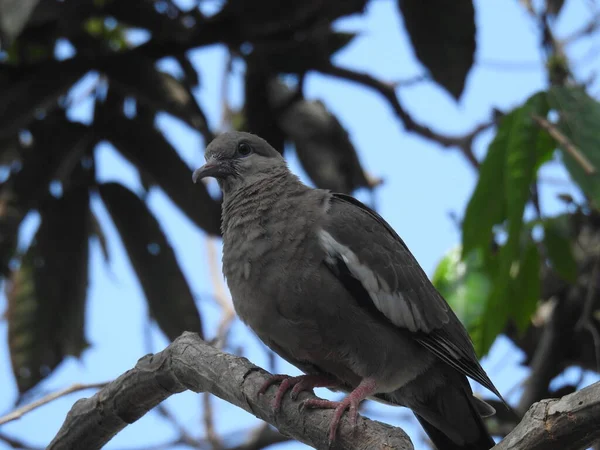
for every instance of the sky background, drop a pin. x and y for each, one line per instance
(424, 185)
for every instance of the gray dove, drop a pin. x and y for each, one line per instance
(328, 285)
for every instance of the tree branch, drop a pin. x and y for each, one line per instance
(569, 423)
(387, 90)
(20, 412)
(564, 141)
(190, 363)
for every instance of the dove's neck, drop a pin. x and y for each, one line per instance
(251, 203)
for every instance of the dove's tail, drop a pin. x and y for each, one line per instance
(447, 410)
(443, 442)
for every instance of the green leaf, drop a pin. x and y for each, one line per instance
(526, 288)
(465, 285)
(46, 301)
(501, 194)
(523, 153)
(169, 297)
(486, 206)
(558, 248)
(579, 119)
(443, 37)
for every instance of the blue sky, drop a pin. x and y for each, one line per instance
(424, 183)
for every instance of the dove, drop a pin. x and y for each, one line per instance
(327, 284)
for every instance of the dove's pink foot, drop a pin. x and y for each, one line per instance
(351, 403)
(297, 384)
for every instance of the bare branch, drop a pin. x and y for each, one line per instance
(20, 412)
(564, 141)
(570, 423)
(220, 295)
(209, 424)
(590, 28)
(264, 437)
(16, 443)
(190, 363)
(387, 90)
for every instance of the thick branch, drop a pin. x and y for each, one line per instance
(190, 363)
(569, 423)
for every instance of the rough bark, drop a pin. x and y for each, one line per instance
(569, 423)
(191, 363)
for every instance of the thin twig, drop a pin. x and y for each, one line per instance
(209, 425)
(184, 436)
(16, 443)
(564, 141)
(19, 412)
(220, 341)
(227, 311)
(411, 81)
(586, 30)
(387, 90)
(263, 436)
(225, 109)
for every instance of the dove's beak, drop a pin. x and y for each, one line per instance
(213, 168)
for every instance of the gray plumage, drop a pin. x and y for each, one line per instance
(328, 285)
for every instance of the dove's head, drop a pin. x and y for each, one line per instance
(237, 159)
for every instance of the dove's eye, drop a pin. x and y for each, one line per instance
(244, 149)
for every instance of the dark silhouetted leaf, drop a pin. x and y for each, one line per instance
(312, 50)
(13, 17)
(57, 147)
(579, 119)
(97, 232)
(323, 146)
(147, 148)
(557, 241)
(143, 14)
(259, 112)
(554, 6)
(272, 18)
(35, 90)
(443, 36)
(137, 76)
(190, 75)
(169, 297)
(526, 287)
(46, 298)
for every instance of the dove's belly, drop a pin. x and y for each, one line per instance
(311, 318)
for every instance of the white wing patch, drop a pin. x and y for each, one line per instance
(393, 305)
